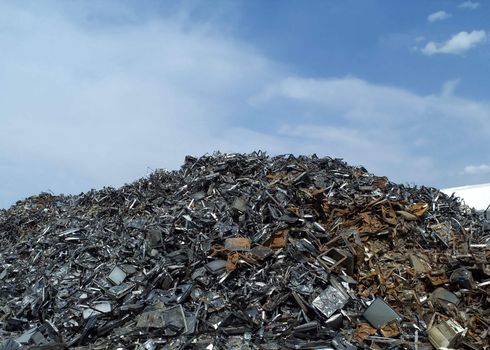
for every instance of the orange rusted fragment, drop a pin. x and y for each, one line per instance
(437, 278)
(293, 209)
(232, 261)
(364, 293)
(389, 215)
(317, 192)
(216, 249)
(418, 209)
(390, 330)
(380, 181)
(274, 177)
(278, 240)
(364, 330)
(358, 173)
(370, 223)
(237, 244)
(325, 206)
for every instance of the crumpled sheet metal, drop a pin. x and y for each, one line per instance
(245, 251)
(330, 300)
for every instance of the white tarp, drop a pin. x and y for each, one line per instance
(477, 196)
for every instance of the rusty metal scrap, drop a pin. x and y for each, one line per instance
(248, 251)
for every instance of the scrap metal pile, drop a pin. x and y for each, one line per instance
(245, 252)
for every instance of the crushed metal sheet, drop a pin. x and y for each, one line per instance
(379, 313)
(97, 309)
(446, 335)
(117, 275)
(239, 244)
(445, 295)
(330, 300)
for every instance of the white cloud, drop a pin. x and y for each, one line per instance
(457, 44)
(438, 16)
(471, 5)
(476, 169)
(379, 126)
(360, 101)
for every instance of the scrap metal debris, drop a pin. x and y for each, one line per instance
(246, 252)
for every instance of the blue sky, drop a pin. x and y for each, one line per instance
(96, 93)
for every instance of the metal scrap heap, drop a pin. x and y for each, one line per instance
(246, 251)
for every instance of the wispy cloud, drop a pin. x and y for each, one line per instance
(438, 16)
(476, 169)
(457, 44)
(384, 127)
(360, 101)
(471, 5)
(449, 87)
